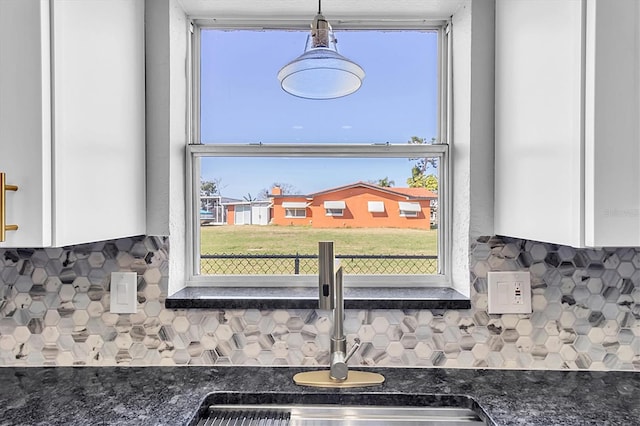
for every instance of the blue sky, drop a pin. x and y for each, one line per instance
(242, 102)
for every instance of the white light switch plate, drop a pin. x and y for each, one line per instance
(124, 286)
(509, 292)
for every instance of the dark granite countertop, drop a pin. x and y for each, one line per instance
(307, 298)
(171, 395)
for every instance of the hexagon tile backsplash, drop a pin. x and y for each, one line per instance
(54, 310)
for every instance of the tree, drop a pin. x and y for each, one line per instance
(423, 163)
(208, 187)
(419, 180)
(431, 183)
(385, 182)
(286, 188)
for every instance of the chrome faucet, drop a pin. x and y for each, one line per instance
(332, 297)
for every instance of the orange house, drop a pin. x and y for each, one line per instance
(358, 205)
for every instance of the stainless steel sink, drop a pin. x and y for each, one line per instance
(339, 409)
(318, 415)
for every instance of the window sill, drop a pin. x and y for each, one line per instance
(307, 298)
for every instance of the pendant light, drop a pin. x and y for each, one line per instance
(321, 72)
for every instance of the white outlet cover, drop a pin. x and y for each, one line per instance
(124, 288)
(502, 292)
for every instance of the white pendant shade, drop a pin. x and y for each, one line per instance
(321, 72)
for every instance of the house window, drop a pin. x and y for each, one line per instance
(375, 206)
(409, 209)
(335, 212)
(334, 208)
(321, 170)
(294, 209)
(295, 213)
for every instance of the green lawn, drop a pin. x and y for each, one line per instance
(270, 239)
(259, 242)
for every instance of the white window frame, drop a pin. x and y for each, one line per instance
(409, 212)
(440, 149)
(404, 213)
(289, 210)
(194, 152)
(334, 211)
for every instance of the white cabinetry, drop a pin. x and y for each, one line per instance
(568, 121)
(72, 120)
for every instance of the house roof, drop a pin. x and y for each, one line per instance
(409, 193)
(235, 202)
(229, 200)
(221, 199)
(417, 192)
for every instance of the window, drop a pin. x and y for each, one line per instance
(307, 170)
(293, 209)
(335, 212)
(376, 206)
(409, 209)
(334, 208)
(295, 212)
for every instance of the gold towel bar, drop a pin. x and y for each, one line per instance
(3, 211)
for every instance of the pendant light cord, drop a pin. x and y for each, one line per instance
(319, 7)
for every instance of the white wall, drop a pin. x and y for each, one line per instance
(167, 29)
(472, 139)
